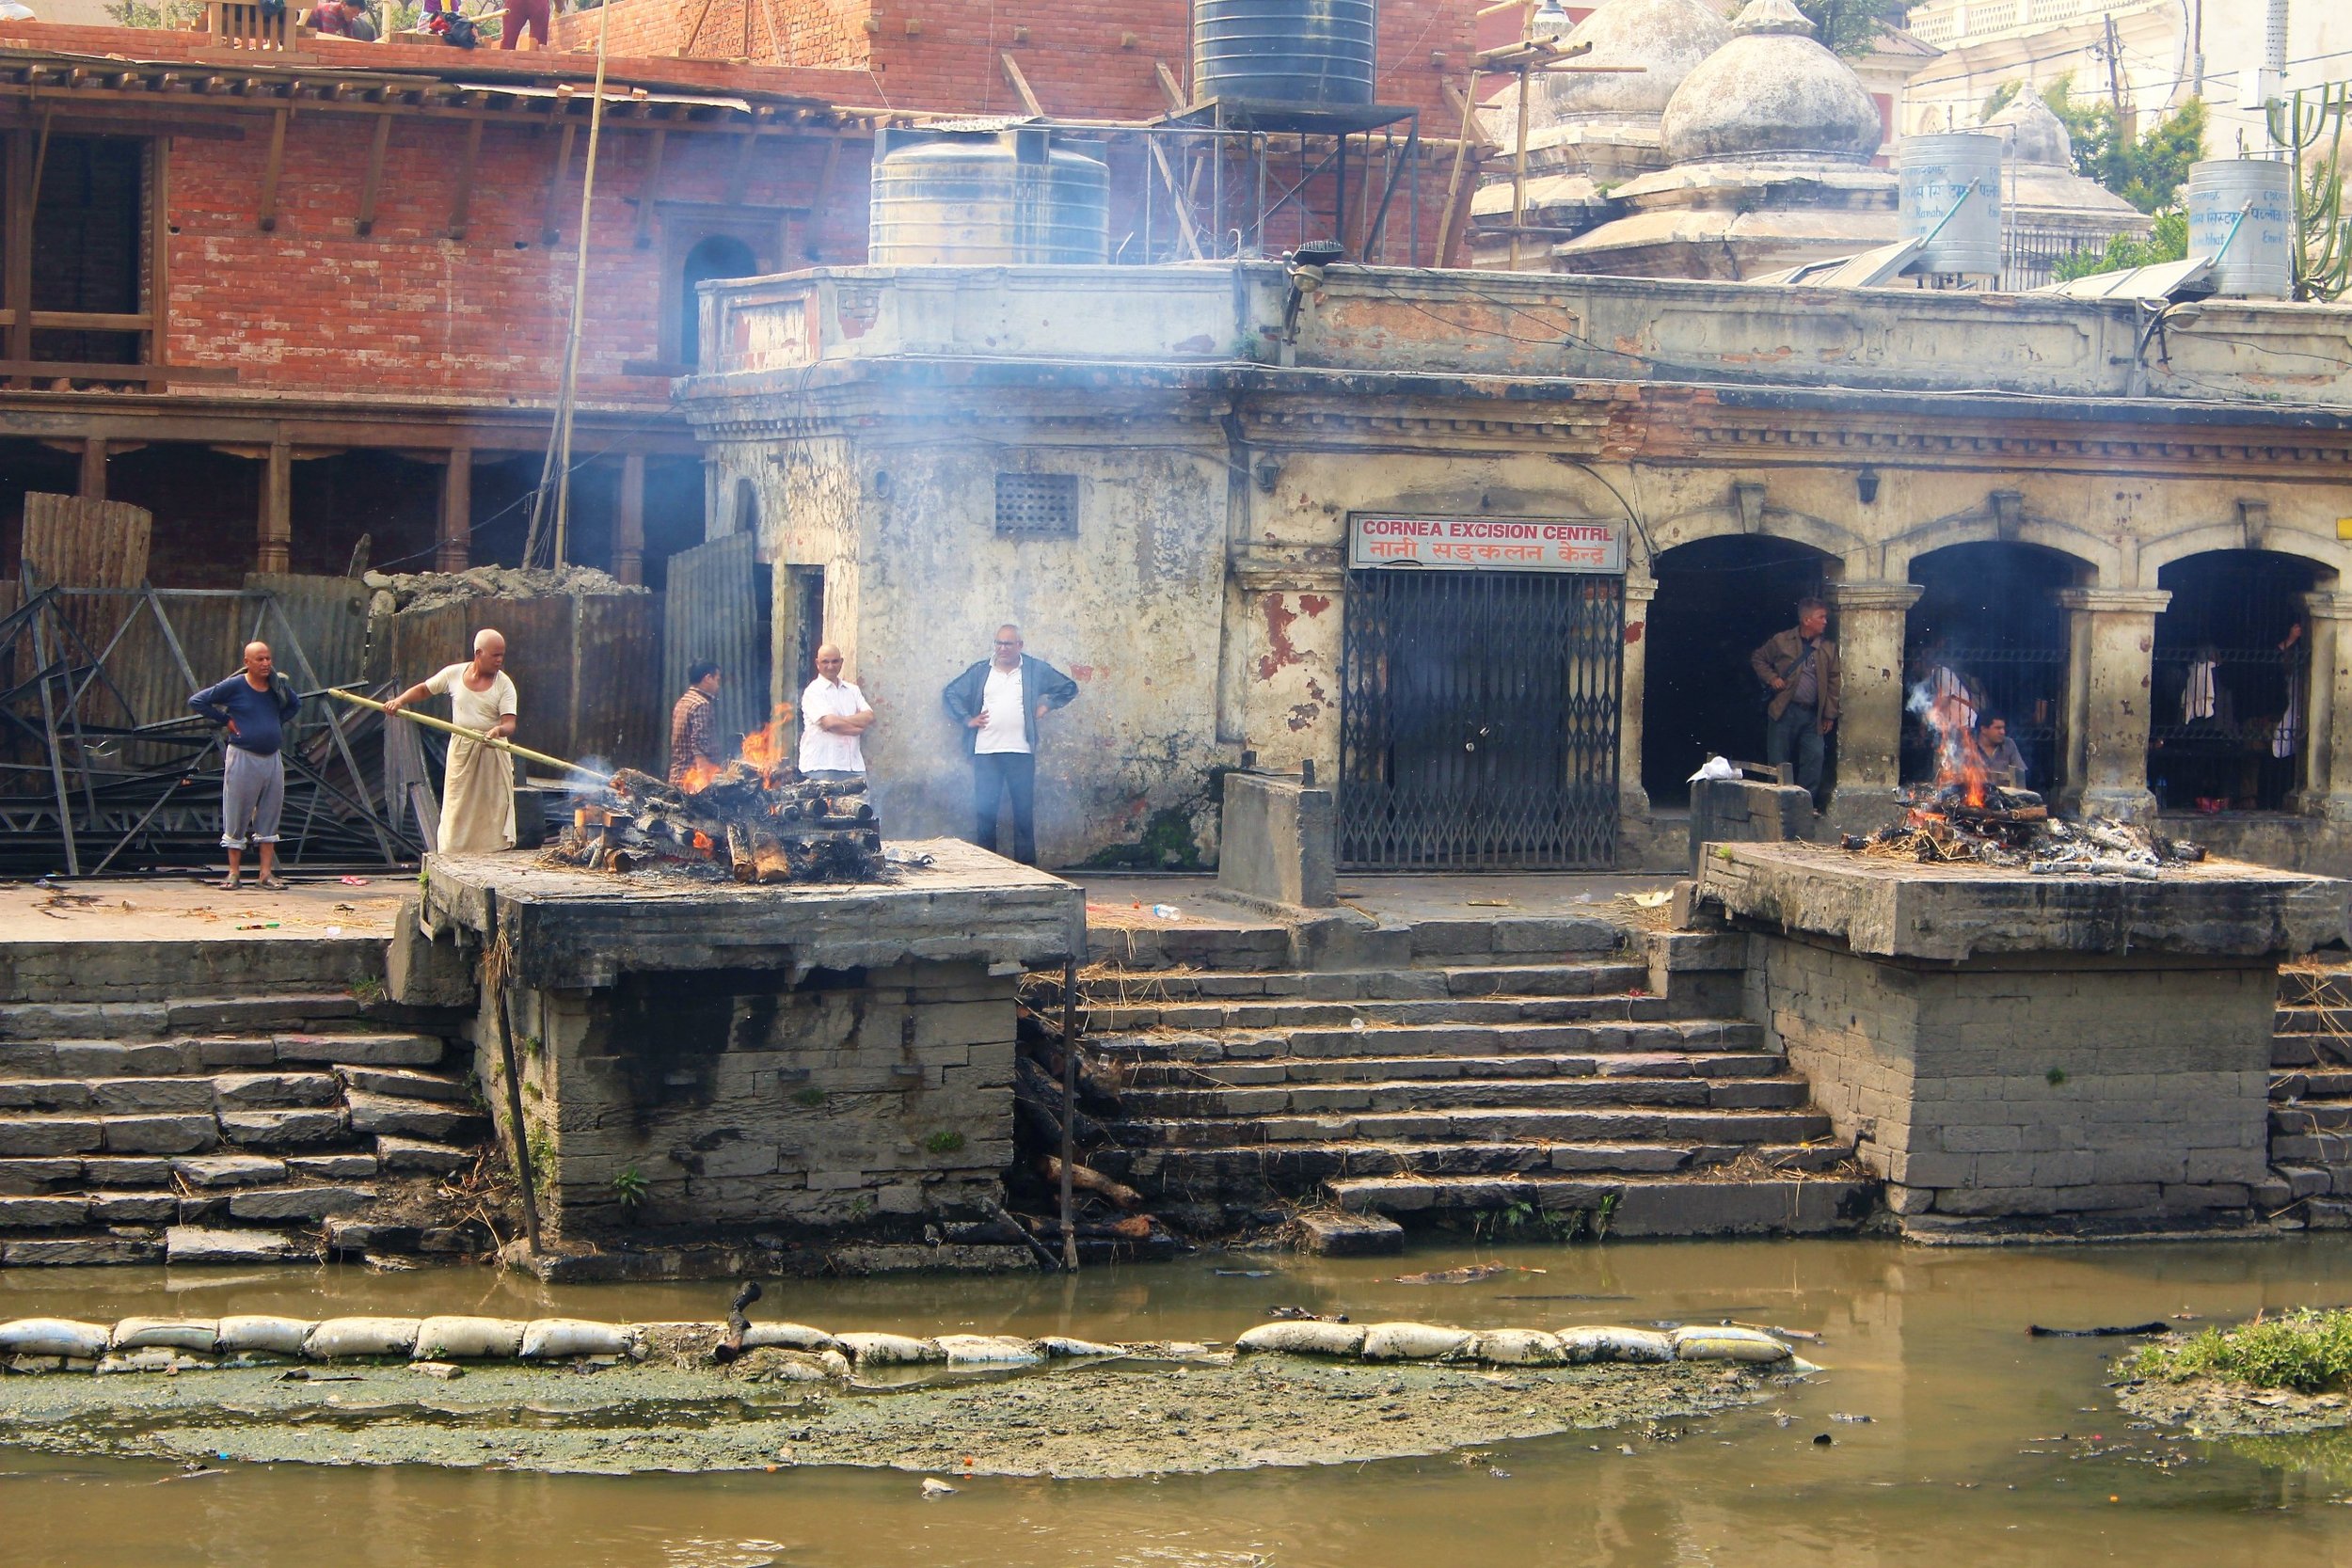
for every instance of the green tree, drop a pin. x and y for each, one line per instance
(182, 15)
(1850, 26)
(2169, 242)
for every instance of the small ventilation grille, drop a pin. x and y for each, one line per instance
(1036, 506)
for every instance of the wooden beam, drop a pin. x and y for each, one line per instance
(94, 468)
(153, 375)
(157, 348)
(1461, 165)
(775, 34)
(1168, 87)
(1021, 84)
(461, 203)
(17, 283)
(552, 220)
(1176, 200)
(628, 528)
(695, 33)
(273, 167)
(366, 224)
(452, 551)
(813, 236)
(643, 239)
(274, 550)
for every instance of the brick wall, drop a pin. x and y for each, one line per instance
(2109, 1091)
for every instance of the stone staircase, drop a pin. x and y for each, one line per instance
(2311, 1101)
(1529, 1074)
(178, 1105)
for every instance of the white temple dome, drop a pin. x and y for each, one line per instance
(2035, 135)
(1772, 89)
(1666, 39)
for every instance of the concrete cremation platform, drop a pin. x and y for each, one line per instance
(2004, 1046)
(786, 1058)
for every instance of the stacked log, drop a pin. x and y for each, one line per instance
(758, 827)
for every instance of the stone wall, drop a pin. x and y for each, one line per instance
(740, 1100)
(2086, 1088)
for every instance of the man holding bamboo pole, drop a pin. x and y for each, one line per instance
(478, 790)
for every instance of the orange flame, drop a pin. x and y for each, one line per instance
(1958, 760)
(770, 748)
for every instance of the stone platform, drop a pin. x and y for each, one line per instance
(699, 1057)
(2007, 1049)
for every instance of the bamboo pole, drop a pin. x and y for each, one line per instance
(494, 954)
(483, 737)
(1069, 1112)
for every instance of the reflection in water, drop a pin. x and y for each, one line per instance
(1984, 1446)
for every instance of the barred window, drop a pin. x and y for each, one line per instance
(1036, 506)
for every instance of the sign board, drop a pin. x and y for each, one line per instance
(1487, 544)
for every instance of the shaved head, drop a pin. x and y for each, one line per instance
(259, 665)
(488, 637)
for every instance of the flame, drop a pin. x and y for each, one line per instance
(702, 842)
(1944, 703)
(699, 776)
(770, 748)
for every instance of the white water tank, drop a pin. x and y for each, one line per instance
(2259, 261)
(1949, 187)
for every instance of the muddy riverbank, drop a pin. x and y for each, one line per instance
(1096, 1422)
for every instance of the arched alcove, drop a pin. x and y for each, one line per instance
(1989, 624)
(718, 256)
(2230, 682)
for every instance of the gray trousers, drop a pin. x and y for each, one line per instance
(252, 797)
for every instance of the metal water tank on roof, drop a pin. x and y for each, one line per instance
(1950, 187)
(1297, 52)
(996, 199)
(2256, 260)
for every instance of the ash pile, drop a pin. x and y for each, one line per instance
(752, 824)
(1988, 824)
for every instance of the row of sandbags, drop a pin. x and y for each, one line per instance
(1523, 1347)
(332, 1340)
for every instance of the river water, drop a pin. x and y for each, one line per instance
(1984, 1446)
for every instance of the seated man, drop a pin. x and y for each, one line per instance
(2004, 763)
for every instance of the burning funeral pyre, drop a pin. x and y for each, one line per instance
(755, 818)
(1966, 815)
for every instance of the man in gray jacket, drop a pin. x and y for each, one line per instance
(1799, 671)
(998, 701)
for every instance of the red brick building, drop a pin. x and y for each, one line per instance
(284, 298)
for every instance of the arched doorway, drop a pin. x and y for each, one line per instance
(1718, 601)
(718, 256)
(2230, 682)
(1989, 626)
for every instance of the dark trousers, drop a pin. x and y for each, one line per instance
(995, 776)
(1796, 736)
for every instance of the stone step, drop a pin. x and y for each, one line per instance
(423, 1155)
(2303, 1051)
(385, 1114)
(157, 1020)
(1522, 939)
(198, 1055)
(2298, 1018)
(2315, 1181)
(1257, 1173)
(1145, 988)
(119, 1096)
(1485, 1094)
(276, 1204)
(1225, 947)
(1589, 1125)
(2312, 1083)
(1279, 1014)
(407, 1083)
(1337, 1069)
(187, 1244)
(43, 1134)
(2299, 987)
(1634, 1205)
(303, 1128)
(1405, 1039)
(2311, 1116)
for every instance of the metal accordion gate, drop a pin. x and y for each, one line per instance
(1478, 724)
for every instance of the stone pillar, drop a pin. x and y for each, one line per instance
(275, 551)
(1633, 691)
(628, 526)
(2327, 712)
(1869, 638)
(94, 468)
(454, 549)
(2111, 634)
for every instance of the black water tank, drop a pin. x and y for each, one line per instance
(1304, 52)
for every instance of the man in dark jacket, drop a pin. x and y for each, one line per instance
(1799, 671)
(255, 706)
(998, 701)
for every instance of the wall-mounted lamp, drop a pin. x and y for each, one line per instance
(1866, 484)
(1267, 473)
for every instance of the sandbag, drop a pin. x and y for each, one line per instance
(1615, 1344)
(339, 1338)
(156, 1358)
(988, 1350)
(1415, 1342)
(1059, 1346)
(1304, 1338)
(64, 1337)
(787, 1337)
(1722, 1342)
(197, 1333)
(559, 1338)
(258, 1332)
(889, 1349)
(835, 1364)
(469, 1338)
(1520, 1347)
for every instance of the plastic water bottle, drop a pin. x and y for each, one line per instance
(1165, 911)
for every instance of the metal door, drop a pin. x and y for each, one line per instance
(1479, 720)
(711, 609)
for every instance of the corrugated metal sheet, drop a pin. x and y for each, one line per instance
(712, 612)
(618, 714)
(582, 669)
(86, 543)
(330, 617)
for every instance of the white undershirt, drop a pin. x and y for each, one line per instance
(1006, 730)
(823, 748)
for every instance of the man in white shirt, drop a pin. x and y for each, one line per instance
(999, 701)
(834, 715)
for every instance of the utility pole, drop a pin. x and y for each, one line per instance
(2196, 50)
